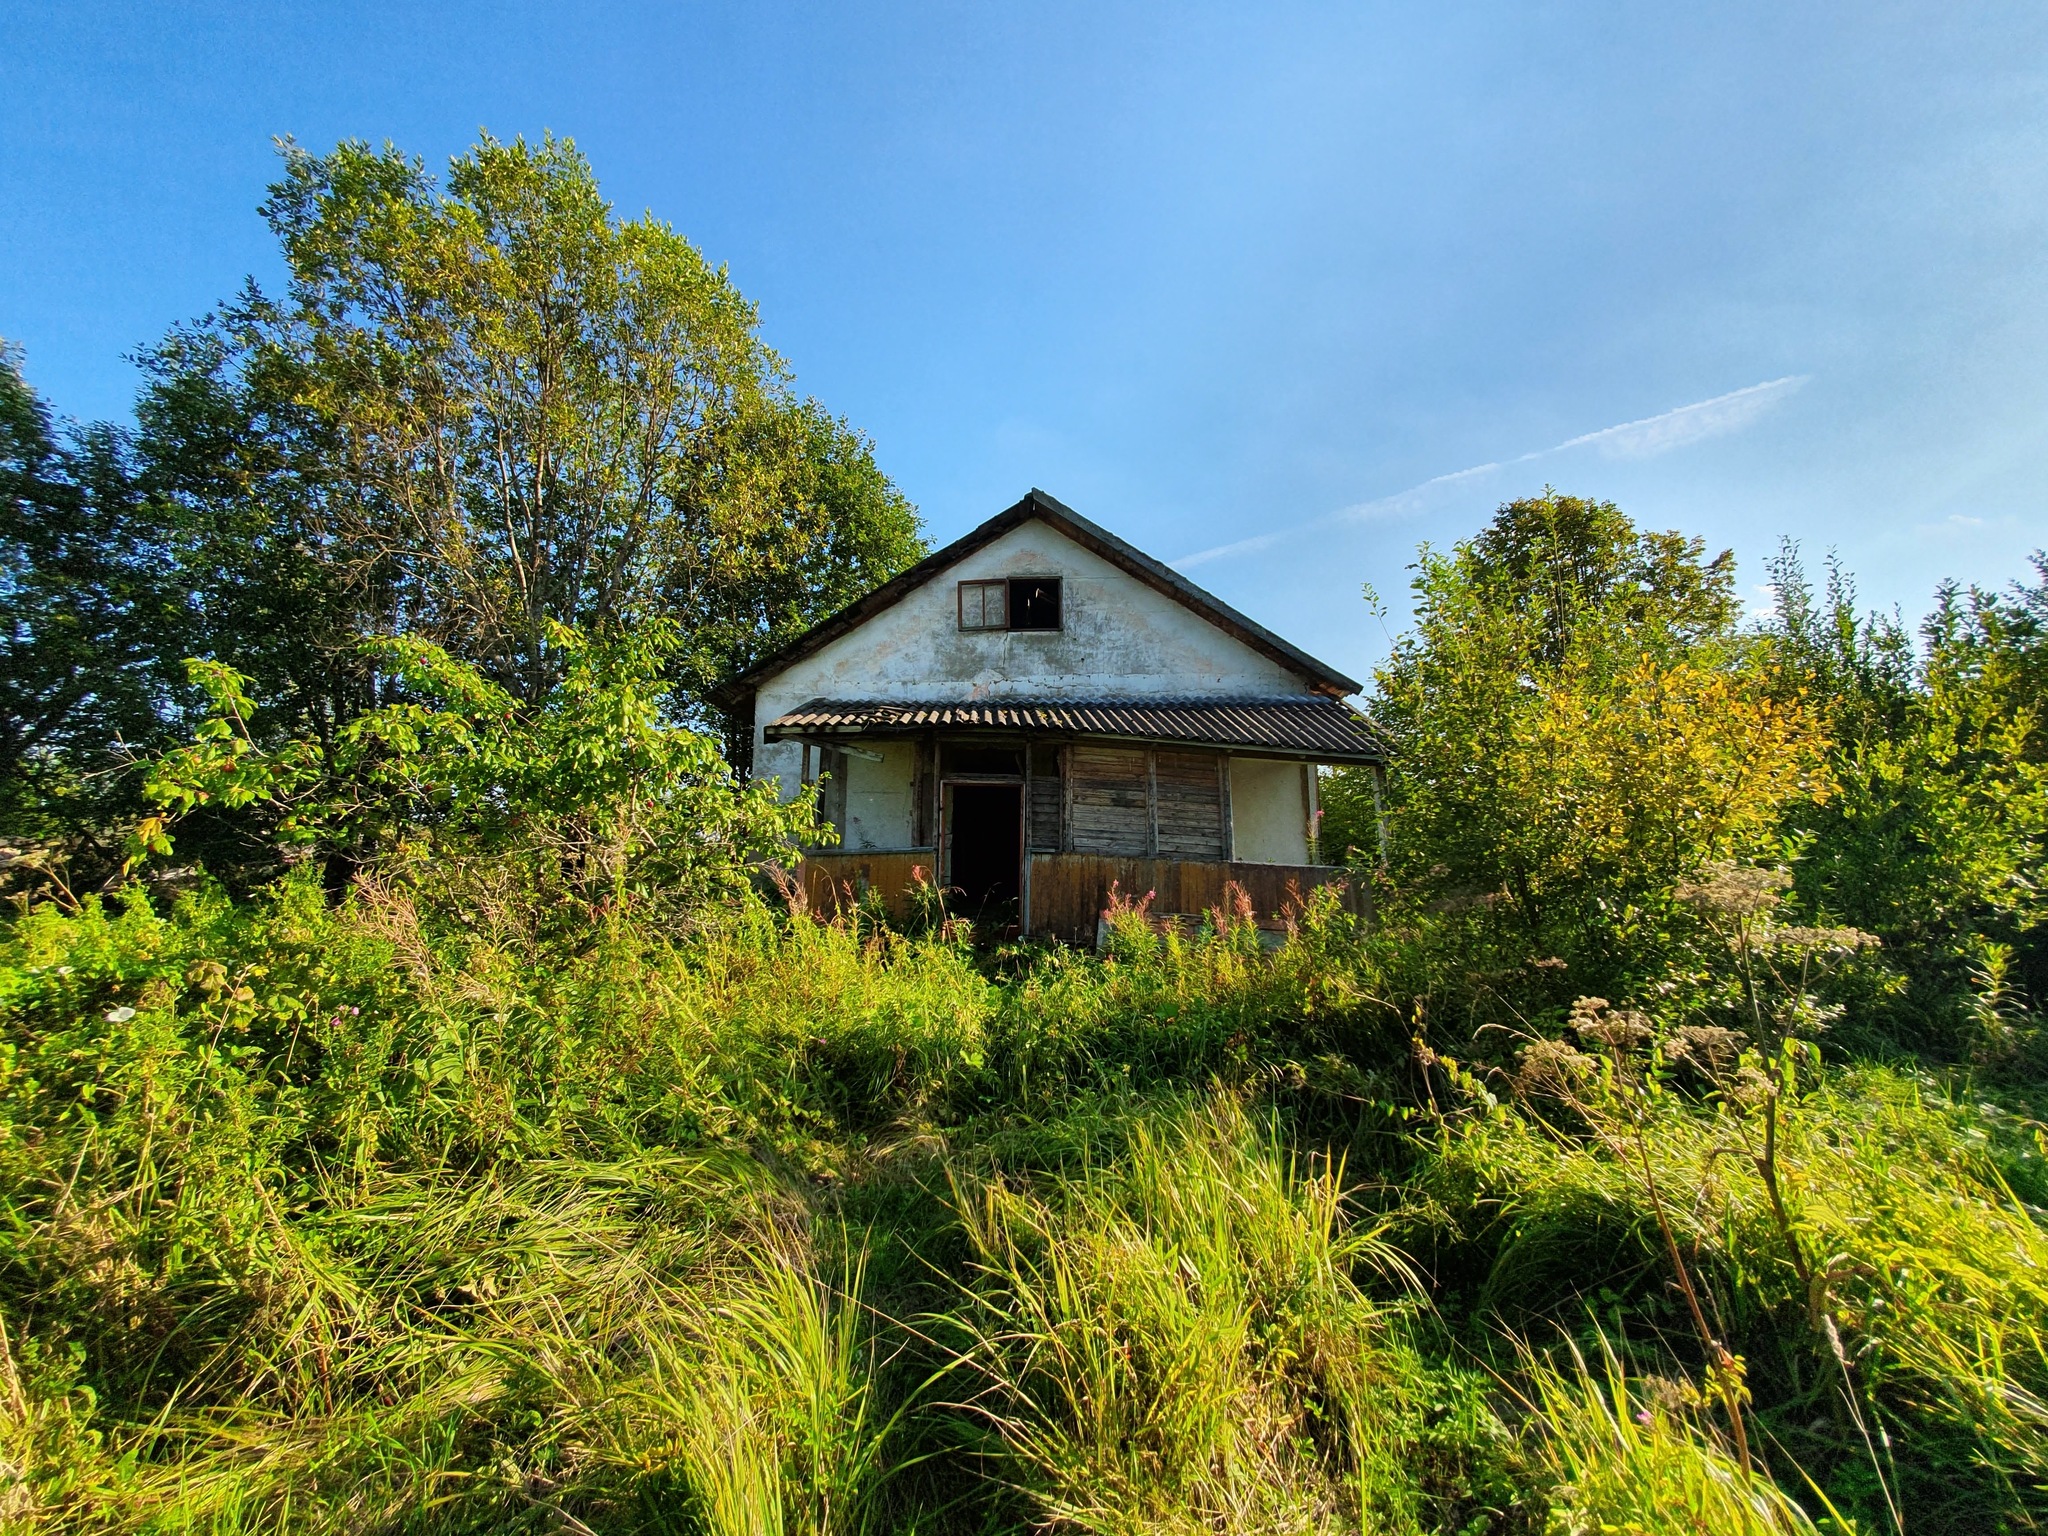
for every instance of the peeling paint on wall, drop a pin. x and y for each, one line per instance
(879, 807)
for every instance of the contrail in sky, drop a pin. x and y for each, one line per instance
(1643, 439)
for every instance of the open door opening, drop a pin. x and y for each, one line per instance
(984, 845)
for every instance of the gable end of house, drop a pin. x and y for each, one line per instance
(1319, 677)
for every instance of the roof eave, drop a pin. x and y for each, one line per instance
(824, 733)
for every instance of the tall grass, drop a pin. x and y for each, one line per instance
(378, 1217)
(764, 1413)
(1176, 1339)
(1926, 1302)
(1640, 1457)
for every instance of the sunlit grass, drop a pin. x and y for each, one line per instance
(1175, 1338)
(1643, 1458)
(362, 1219)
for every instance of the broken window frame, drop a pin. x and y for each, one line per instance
(973, 606)
(1015, 610)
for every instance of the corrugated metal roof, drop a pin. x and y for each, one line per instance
(1327, 730)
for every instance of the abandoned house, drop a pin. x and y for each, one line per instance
(1038, 713)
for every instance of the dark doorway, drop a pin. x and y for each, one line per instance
(984, 836)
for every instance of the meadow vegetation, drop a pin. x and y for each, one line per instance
(423, 1110)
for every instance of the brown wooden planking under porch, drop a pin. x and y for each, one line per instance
(1067, 892)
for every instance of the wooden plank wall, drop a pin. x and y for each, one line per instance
(1141, 803)
(1188, 790)
(1069, 891)
(831, 880)
(1110, 800)
(1047, 832)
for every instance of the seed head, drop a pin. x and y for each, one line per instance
(1734, 890)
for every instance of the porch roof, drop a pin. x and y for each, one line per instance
(1317, 729)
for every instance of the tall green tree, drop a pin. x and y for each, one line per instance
(87, 615)
(1561, 564)
(486, 409)
(233, 470)
(1578, 729)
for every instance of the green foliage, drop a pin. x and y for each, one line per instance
(1558, 564)
(85, 618)
(593, 792)
(1578, 730)
(488, 410)
(1172, 1008)
(508, 1162)
(1898, 1240)
(1173, 1338)
(1640, 1457)
(436, 1217)
(1937, 837)
(480, 415)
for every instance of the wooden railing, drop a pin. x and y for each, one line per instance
(1068, 891)
(832, 881)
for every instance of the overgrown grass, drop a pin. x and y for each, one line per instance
(368, 1218)
(1645, 1456)
(1921, 1261)
(1173, 1339)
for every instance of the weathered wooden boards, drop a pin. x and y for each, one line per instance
(833, 881)
(1047, 791)
(1136, 802)
(1187, 794)
(1110, 804)
(1068, 891)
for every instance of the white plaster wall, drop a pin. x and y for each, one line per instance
(1268, 814)
(879, 808)
(1120, 639)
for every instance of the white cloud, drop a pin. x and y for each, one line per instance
(1359, 512)
(1959, 527)
(1643, 439)
(1687, 424)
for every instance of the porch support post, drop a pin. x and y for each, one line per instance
(1223, 800)
(1066, 797)
(1379, 807)
(1151, 804)
(1309, 809)
(1024, 864)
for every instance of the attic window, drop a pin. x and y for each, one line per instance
(1020, 602)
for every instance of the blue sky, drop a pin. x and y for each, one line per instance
(1278, 290)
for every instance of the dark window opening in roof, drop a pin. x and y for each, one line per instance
(1034, 602)
(1018, 602)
